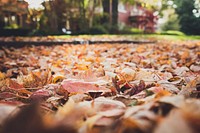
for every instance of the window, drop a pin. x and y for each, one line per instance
(122, 8)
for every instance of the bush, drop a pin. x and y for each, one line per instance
(172, 32)
(37, 33)
(136, 31)
(98, 29)
(130, 30)
(12, 26)
(172, 24)
(14, 32)
(190, 24)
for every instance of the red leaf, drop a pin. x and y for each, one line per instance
(40, 94)
(76, 86)
(5, 95)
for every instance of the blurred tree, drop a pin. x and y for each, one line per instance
(172, 23)
(66, 14)
(169, 15)
(110, 11)
(114, 12)
(34, 18)
(48, 21)
(60, 9)
(106, 11)
(190, 24)
(92, 4)
(82, 20)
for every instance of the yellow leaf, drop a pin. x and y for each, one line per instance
(162, 93)
(2, 76)
(66, 109)
(58, 78)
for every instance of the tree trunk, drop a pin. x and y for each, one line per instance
(92, 4)
(60, 9)
(114, 12)
(106, 6)
(82, 22)
(110, 9)
(106, 10)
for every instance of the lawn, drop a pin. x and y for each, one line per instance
(154, 37)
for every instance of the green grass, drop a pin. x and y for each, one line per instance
(141, 37)
(172, 37)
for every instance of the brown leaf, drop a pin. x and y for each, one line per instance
(191, 89)
(29, 120)
(170, 124)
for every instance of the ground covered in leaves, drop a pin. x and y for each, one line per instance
(104, 88)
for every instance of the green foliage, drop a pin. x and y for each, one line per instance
(12, 26)
(136, 30)
(189, 23)
(172, 32)
(98, 29)
(172, 23)
(131, 2)
(130, 30)
(38, 33)
(111, 29)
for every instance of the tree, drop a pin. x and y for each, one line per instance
(190, 24)
(172, 23)
(106, 10)
(110, 9)
(60, 6)
(48, 21)
(115, 12)
(92, 4)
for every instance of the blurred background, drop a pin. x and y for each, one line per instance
(57, 17)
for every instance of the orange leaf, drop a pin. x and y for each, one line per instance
(14, 85)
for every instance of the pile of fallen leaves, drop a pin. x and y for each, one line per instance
(119, 88)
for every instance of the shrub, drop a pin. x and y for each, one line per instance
(172, 32)
(172, 24)
(12, 26)
(130, 30)
(98, 29)
(37, 33)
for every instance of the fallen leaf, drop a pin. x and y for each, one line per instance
(190, 90)
(77, 86)
(41, 94)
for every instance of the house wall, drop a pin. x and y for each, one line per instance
(14, 12)
(136, 16)
(123, 14)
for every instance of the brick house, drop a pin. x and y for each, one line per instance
(14, 12)
(136, 16)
